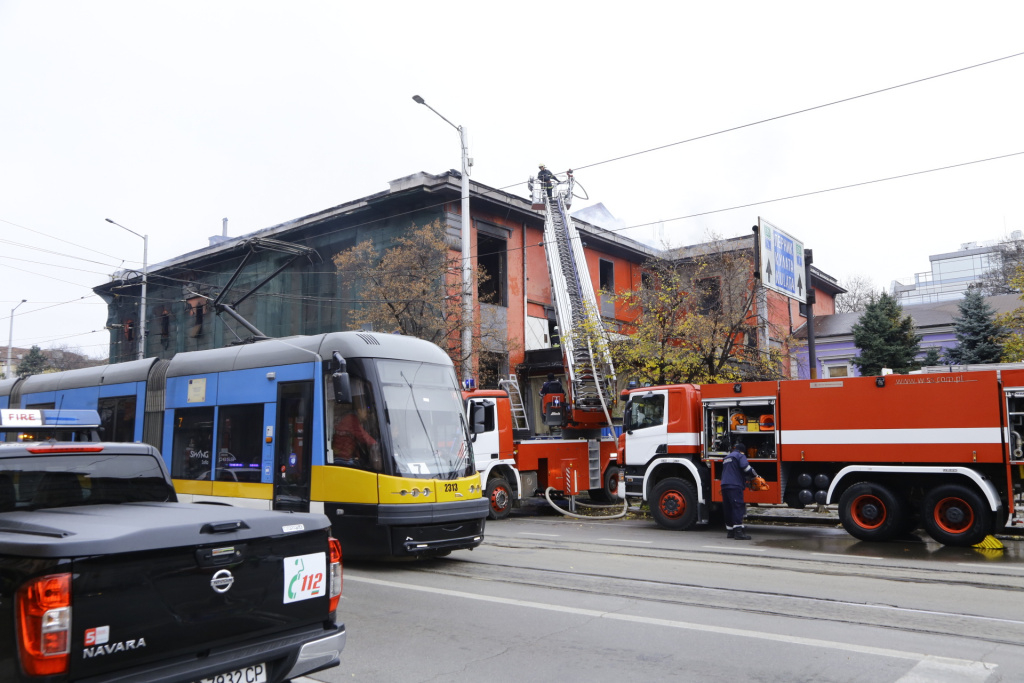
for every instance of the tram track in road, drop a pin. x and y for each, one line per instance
(852, 565)
(816, 564)
(505, 566)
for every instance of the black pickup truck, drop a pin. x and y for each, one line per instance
(105, 578)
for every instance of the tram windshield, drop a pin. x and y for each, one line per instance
(425, 420)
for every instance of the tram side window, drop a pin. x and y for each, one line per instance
(240, 443)
(192, 444)
(117, 418)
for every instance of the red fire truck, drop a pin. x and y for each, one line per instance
(515, 461)
(895, 451)
(516, 468)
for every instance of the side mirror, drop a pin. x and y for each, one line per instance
(478, 422)
(340, 381)
(342, 388)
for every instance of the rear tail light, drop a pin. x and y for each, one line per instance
(61, 448)
(44, 624)
(335, 572)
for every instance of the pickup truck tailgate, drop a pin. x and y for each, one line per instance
(210, 580)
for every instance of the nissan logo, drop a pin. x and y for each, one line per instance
(222, 581)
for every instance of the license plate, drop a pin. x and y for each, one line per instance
(257, 673)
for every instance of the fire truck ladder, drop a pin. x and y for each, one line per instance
(515, 397)
(588, 360)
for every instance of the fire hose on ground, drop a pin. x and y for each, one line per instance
(625, 508)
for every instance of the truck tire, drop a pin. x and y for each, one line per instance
(956, 515)
(499, 494)
(871, 512)
(674, 504)
(611, 486)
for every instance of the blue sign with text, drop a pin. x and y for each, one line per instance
(782, 262)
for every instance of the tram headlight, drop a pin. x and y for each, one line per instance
(426, 491)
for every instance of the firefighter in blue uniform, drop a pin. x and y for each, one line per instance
(736, 472)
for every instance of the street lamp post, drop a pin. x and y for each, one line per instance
(10, 339)
(467, 272)
(142, 302)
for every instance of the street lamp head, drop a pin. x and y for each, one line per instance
(109, 221)
(418, 100)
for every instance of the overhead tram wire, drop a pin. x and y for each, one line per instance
(58, 253)
(814, 192)
(591, 165)
(654, 149)
(54, 265)
(704, 136)
(54, 237)
(612, 159)
(799, 111)
(40, 340)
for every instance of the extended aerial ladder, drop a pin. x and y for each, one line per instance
(515, 463)
(588, 362)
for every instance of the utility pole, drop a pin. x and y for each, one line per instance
(10, 339)
(467, 270)
(142, 301)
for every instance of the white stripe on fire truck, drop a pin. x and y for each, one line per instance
(865, 437)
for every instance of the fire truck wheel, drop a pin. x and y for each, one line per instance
(674, 504)
(956, 515)
(499, 493)
(611, 487)
(871, 512)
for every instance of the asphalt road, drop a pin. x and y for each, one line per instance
(547, 598)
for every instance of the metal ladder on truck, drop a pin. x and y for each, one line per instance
(588, 361)
(519, 419)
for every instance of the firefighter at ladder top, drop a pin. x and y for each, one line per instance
(736, 472)
(547, 179)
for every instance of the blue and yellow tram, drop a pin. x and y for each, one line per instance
(366, 428)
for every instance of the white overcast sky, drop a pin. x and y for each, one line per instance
(169, 116)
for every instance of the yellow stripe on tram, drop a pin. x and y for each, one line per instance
(238, 489)
(195, 488)
(224, 489)
(343, 485)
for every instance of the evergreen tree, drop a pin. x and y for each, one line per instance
(1011, 324)
(976, 332)
(931, 357)
(33, 363)
(886, 338)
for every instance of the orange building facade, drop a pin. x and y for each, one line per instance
(309, 298)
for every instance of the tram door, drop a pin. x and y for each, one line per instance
(292, 456)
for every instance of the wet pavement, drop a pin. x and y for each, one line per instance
(790, 531)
